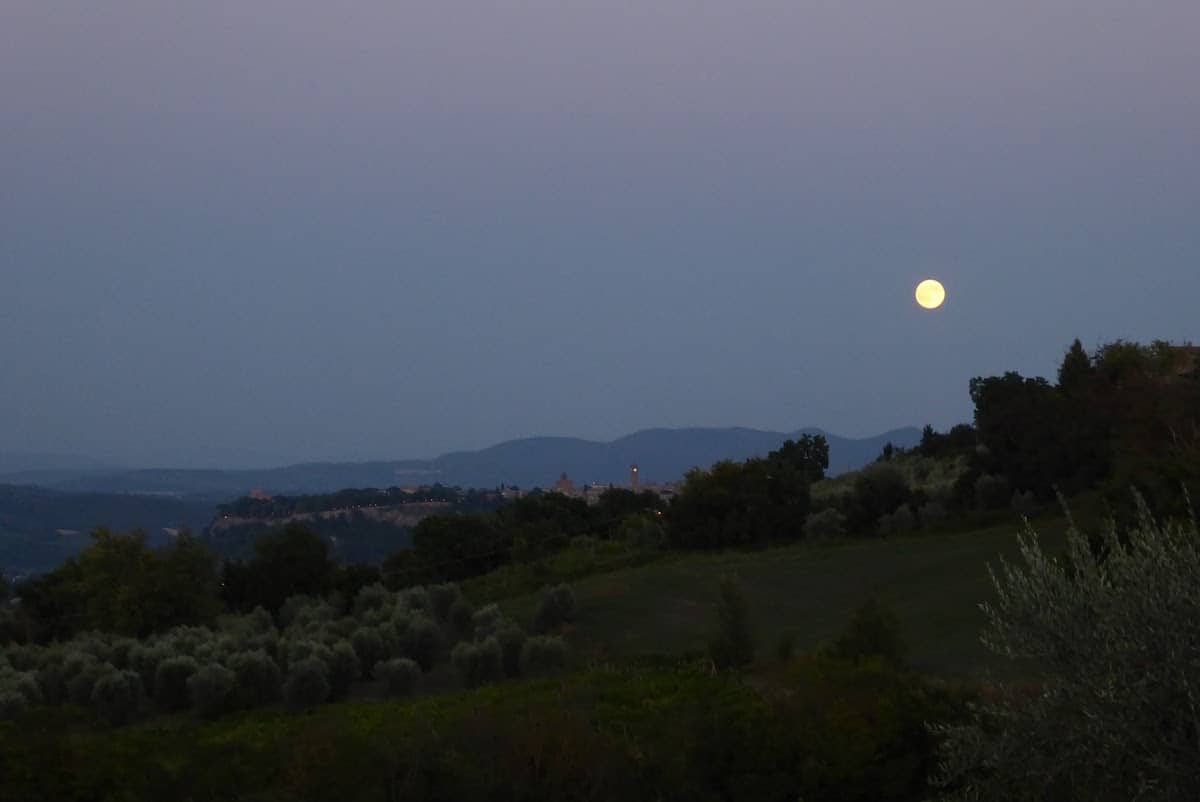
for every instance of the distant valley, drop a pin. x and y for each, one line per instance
(48, 504)
(662, 455)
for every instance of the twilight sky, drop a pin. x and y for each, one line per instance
(245, 232)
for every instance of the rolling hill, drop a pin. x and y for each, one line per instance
(662, 454)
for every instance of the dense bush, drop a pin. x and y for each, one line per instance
(826, 524)
(400, 677)
(82, 671)
(369, 646)
(296, 650)
(873, 632)
(478, 663)
(307, 683)
(1111, 635)
(12, 703)
(899, 522)
(414, 600)
(213, 690)
(442, 599)
(557, 607)
(145, 659)
(831, 731)
(741, 504)
(117, 696)
(459, 619)
(258, 678)
(992, 492)
(372, 597)
(305, 612)
(544, 654)
(18, 691)
(52, 678)
(878, 490)
(512, 643)
(422, 642)
(732, 644)
(171, 682)
(486, 620)
(344, 669)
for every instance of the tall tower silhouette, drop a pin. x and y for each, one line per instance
(633, 476)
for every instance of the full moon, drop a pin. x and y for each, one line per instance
(930, 293)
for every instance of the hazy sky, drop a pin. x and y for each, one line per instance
(256, 231)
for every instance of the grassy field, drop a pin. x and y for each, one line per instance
(934, 584)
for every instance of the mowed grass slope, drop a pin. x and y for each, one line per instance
(934, 584)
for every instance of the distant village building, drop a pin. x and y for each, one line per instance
(565, 486)
(592, 492)
(260, 495)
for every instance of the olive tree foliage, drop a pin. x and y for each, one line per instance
(307, 683)
(18, 691)
(400, 677)
(213, 689)
(171, 682)
(557, 607)
(732, 642)
(480, 662)
(544, 654)
(1111, 631)
(117, 695)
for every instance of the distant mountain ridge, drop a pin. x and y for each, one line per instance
(17, 462)
(662, 455)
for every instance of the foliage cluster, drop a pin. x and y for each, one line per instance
(312, 651)
(452, 548)
(1110, 634)
(749, 503)
(822, 730)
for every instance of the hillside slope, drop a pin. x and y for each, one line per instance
(662, 454)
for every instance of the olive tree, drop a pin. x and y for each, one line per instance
(1109, 635)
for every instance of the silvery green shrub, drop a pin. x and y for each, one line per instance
(478, 663)
(371, 597)
(442, 598)
(512, 640)
(826, 524)
(344, 669)
(186, 639)
(52, 678)
(413, 600)
(23, 682)
(81, 678)
(422, 642)
(307, 683)
(26, 657)
(296, 650)
(1108, 635)
(121, 649)
(369, 646)
(171, 682)
(12, 703)
(557, 607)
(487, 620)
(544, 654)
(400, 677)
(259, 680)
(145, 658)
(213, 690)
(117, 696)
(305, 612)
(459, 618)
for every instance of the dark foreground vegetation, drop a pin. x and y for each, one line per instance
(140, 673)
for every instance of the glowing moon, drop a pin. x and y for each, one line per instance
(930, 293)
